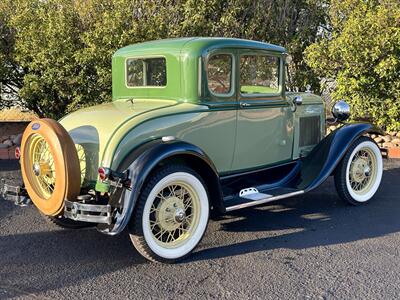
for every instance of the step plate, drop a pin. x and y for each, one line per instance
(253, 194)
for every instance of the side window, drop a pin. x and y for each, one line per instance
(219, 73)
(146, 72)
(259, 74)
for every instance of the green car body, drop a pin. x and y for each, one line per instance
(198, 127)
(237, 132)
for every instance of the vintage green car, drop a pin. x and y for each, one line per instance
(198, 127)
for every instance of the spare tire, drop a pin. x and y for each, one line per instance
(50, 166)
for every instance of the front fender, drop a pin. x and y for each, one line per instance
(140, 169)
(324, 158)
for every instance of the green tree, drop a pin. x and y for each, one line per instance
(10, 72)
(64, 47)
(361, 51)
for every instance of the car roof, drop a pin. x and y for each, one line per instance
(194, 44)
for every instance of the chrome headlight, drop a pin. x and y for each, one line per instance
(341, 110)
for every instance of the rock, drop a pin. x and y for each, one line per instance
(373, 136)
(396, 141)
(9, 143)
(332, 128)
(387, 138)
(398, 134)
(3, 146)
(392, 133)
(388, 145)
(17, 139)
(379, 139)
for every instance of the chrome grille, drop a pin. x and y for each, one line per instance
(310, 131)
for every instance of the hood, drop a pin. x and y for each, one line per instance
(93, 127)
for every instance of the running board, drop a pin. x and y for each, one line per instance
(268, 198)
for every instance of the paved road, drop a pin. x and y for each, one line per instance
(309, 247)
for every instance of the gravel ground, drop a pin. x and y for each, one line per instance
(308, 247)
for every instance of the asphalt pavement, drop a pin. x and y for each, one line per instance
(312, 246)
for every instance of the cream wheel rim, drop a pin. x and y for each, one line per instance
(363, 171)
(40, 163)
(174, 214)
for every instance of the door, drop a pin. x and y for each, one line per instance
(264, 133)
(216, 131)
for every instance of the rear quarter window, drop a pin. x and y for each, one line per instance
(141, 72)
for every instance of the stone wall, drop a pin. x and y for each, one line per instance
(10, 137)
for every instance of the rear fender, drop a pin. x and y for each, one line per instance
(143, 164)
(324, 158)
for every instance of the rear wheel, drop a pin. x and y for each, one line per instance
(171, 215)
(359, 174)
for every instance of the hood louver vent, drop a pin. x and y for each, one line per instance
(310, 131)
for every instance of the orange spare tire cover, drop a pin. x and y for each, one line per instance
(50, 166)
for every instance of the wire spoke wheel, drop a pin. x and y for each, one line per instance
(174, 214)
(41, 160)
(359, 174)
(49, 166)
(363, 170)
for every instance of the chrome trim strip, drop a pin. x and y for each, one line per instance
(263, 201)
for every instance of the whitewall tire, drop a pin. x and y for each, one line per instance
(172, 214)
(359, 174)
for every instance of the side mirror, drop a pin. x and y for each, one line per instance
(341, 110)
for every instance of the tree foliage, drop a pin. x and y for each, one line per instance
(361, 50)
(58, 52)
(10, 72)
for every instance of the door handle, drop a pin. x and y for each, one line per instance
(244, 104)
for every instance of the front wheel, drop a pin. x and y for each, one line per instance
(171, 214)
(359, 174)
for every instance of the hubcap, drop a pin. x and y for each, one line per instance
(174, 214)
(180, 215)
(36, 169)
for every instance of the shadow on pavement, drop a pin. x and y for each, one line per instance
(316, 219)
(61, 258)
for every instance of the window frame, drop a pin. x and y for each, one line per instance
(260, 95)
(233, 74)
(145, 86)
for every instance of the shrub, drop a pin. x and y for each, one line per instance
(361, 50)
